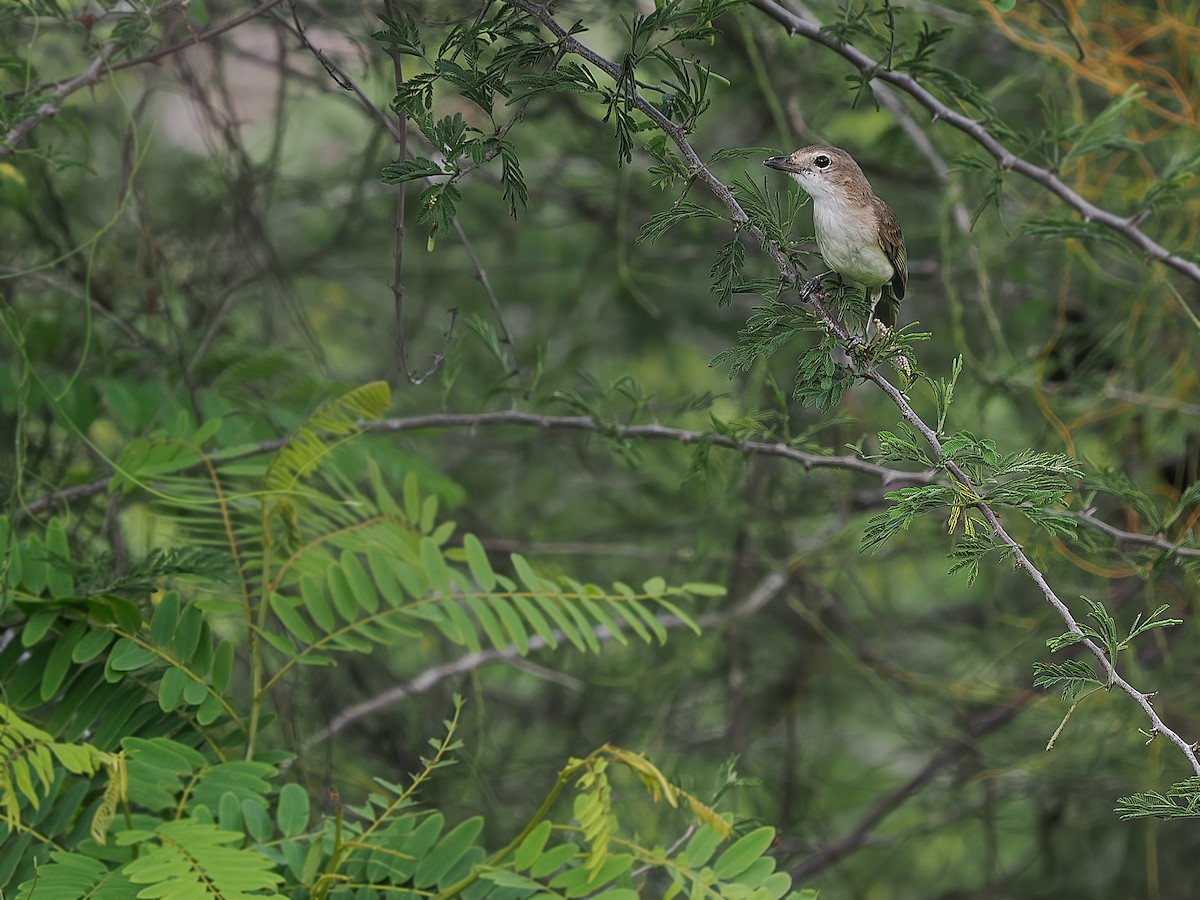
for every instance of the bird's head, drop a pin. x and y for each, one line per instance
(823, 171)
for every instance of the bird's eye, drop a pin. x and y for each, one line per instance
(822, 161)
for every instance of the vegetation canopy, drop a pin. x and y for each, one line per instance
(431, 469)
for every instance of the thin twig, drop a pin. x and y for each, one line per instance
(398, 130)
(1062, 20)
(103, 65)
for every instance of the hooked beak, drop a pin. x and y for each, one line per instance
(782, 163)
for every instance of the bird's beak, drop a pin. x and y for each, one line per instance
(782, 163)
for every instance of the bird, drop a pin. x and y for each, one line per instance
(857, 233)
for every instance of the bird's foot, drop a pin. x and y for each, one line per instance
(812, 284)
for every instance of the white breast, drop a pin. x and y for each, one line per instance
(848, 238)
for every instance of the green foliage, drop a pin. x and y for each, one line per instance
(1033, 482)
(339, 418)
(189, 858)
(726, 271)
(1181, 801)
(1105, 632)
(189, 646)
(1061, 228)
(30, 763)
(659, 223)
(174, 813)
(1073, 675)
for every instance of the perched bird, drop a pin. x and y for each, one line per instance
(857, 233)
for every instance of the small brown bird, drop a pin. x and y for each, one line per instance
(857, 233)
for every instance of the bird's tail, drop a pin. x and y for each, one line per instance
(887, 307)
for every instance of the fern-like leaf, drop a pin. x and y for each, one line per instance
(188, 858)
(342, 418)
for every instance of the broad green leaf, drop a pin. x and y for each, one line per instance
(441, 858)
(312, 591)
(222, 666)
(744, 851)
(429, 508)
(127, 656)
(649, 619)
(170, 688)
(488, 621)
(586, 629)
(535, 618)
(553, 608)
(412, 499)
(435, 565)
(513, 623)
(194, 692)
(655, 586)
(210, 710)
(229, 812)
(37, 625)
(480, 565)
(285, 610)
(292, 812)
(384, 575)
(679, 614)
(35, 570)
(59, 579)
(59, 662)
(624, 609)
(413, 580)
(339, 590)
(599, 613)
(552, 859)
(258, 823)
(280, 642)
(531, 848)
(164, 619)
(360, 583)
(92, 645)
(526, 574)
(463, 623)
(188, 632)
(705, 589)
(701, 846)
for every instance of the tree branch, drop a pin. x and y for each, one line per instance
(1008, 160)
(946, 755)
(738, 215)
(653, 431)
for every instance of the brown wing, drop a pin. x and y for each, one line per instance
(891, 240)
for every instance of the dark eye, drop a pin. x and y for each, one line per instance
(822, 161)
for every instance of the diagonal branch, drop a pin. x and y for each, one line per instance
(1009, 161)
(948, 754)
(739, 217)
